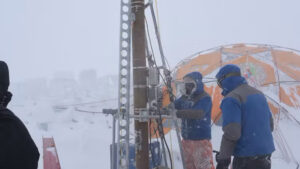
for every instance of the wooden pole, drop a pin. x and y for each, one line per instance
(140, 83)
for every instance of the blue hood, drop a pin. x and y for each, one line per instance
(197, 76)
(230, 83)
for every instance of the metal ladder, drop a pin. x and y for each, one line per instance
(124, 86)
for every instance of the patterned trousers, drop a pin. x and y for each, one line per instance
(197, 154)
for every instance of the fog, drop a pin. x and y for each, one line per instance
(63, 57)
(39, 37)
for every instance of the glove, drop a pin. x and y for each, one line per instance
(222, 163)
(171, 106)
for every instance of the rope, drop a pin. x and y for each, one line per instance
(87, 103)
(156, 7)
(158, 26)
(159, 121)
(87, 111)
(166, 81)
(172, 155)
(157, 32)
(284, 81)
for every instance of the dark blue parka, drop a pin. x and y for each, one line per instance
(196, 129)
(247, 119)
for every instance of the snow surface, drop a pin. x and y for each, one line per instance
(291, 133)
(83, 139)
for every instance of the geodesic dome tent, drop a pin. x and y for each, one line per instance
(272, 69)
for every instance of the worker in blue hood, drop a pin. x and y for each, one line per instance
(247, 123)
(194, 109)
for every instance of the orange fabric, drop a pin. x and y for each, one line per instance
(266, 67)
(166, 123)
(166, 97)
(298, 90)
(284, 97)
(216, 101)
(197, 154)
(154, 128)
(204, 64)
(288, 62)
(274, 109)
(243, 49)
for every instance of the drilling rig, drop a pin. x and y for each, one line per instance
(137, 62)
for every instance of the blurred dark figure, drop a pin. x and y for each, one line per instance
(17, 149)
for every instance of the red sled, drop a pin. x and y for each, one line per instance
(51, 160)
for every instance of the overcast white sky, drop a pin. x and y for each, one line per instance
(40, 37)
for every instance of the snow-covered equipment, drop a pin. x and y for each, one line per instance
(155, 155)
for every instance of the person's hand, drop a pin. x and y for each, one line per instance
(222, 163)
(171, 106)
(171, 109)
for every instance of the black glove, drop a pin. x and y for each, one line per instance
(222, 163)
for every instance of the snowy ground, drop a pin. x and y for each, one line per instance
(82, 139)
